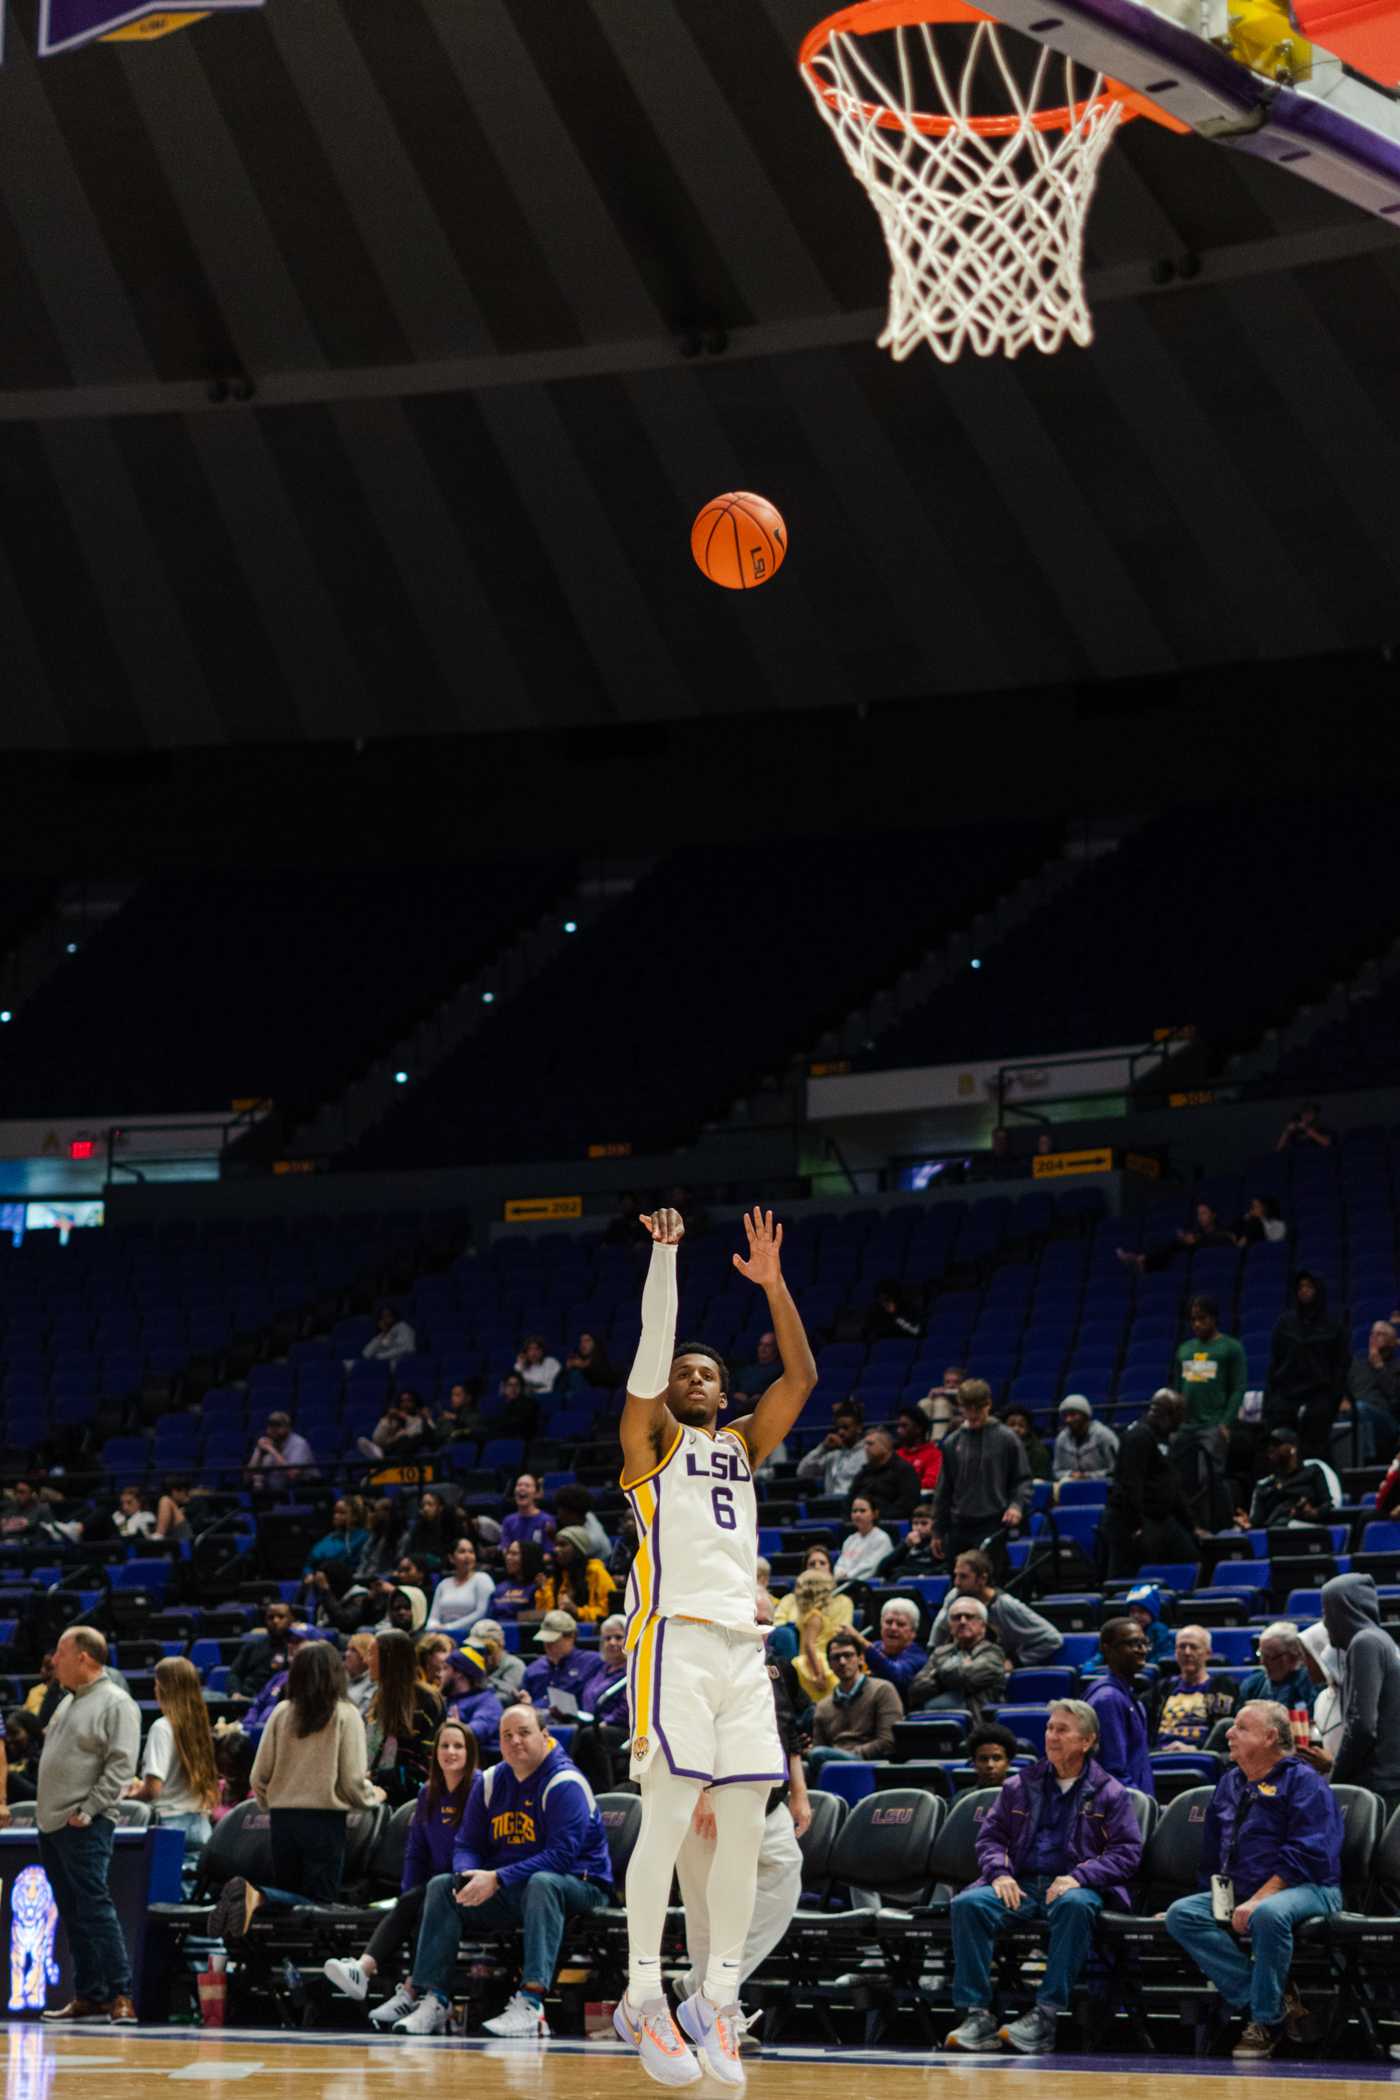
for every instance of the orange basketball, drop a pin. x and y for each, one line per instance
(739, 540)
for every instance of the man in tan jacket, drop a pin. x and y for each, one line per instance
(857, 1719)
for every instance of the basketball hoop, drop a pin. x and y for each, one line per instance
(983, 215)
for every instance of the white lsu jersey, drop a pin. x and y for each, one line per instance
(697, 1532)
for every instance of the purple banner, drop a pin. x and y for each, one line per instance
(64, 24)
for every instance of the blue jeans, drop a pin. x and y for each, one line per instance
(77, 1864)
(827, 1753)
(197, 1831)
(1221, 1954)
(540, 1904)
(979, 1915)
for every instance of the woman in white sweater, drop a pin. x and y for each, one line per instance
(310, 1771)
(462, 1597)
(865, 1547)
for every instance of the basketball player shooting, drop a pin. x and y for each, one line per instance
(701, 1703)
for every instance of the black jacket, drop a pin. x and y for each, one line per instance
(1146, 1486)
(1307, 1361)
(257, 1660)
(1276, 1499)
(894, 1489)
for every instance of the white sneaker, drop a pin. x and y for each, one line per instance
(403, 2001)
(429, 2016)
(656, 2039)
(715, 2031)
(367, 1447)
(519, 2018)
(349, 1979)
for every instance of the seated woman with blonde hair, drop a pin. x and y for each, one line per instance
(815, 1612)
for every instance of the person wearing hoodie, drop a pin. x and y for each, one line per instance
(1084, 1449)
(580, 1582)
(406, 1611)
(1369, 1752)
(470, 1699)
(1307, 1372)
(531, 1851)
(1143, 1605)
(1059, 1843)
(1325, 1667)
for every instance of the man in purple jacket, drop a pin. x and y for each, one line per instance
(1059, 1842)
(1270, 1858)
(1120, 1714)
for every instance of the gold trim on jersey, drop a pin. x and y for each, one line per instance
(642, 1572)
(644, 1666)
(627, 1485)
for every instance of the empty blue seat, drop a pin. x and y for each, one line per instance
(1076, 1648)
(1027, 1724)
(1178, 1575)
(852, 1782)
(1089, 1494)
(149, 1574)
(125, 1454)
(1234, 1644)
(1037, 1687)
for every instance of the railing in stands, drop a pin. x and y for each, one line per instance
(1122, 1072)
(150, 1151)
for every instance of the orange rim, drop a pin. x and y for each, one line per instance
(867, 17)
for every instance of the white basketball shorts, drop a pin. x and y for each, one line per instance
(701, 1698)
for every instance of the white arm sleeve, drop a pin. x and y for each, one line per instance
(651, 1369)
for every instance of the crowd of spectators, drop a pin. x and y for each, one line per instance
(395, 1646)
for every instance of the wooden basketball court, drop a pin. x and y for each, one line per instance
(134, 2064)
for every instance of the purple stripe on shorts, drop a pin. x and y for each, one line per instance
(680, 1771)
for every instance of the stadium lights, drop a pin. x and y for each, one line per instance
(488, 998)
(400, 1079)
(5, 1014)
(72, 947)
(571, 925)
(976, 962)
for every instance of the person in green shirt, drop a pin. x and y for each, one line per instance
(1210, 1374)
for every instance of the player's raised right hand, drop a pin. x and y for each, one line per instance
(667, 1226)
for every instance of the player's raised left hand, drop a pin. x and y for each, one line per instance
(765, 1243)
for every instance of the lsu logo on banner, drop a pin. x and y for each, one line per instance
(65, 24)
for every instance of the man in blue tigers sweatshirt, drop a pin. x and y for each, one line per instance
(531, 1851)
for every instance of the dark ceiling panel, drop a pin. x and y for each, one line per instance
(140, 221)
(482, 216)
(203, 570)
(344, 198)
(326, 252)
(624, 149)
(56, 586)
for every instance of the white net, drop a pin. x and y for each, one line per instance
(983, 213)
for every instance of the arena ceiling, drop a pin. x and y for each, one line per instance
(459, 248)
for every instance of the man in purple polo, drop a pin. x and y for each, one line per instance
(1060, 1842)
(561, 1681)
